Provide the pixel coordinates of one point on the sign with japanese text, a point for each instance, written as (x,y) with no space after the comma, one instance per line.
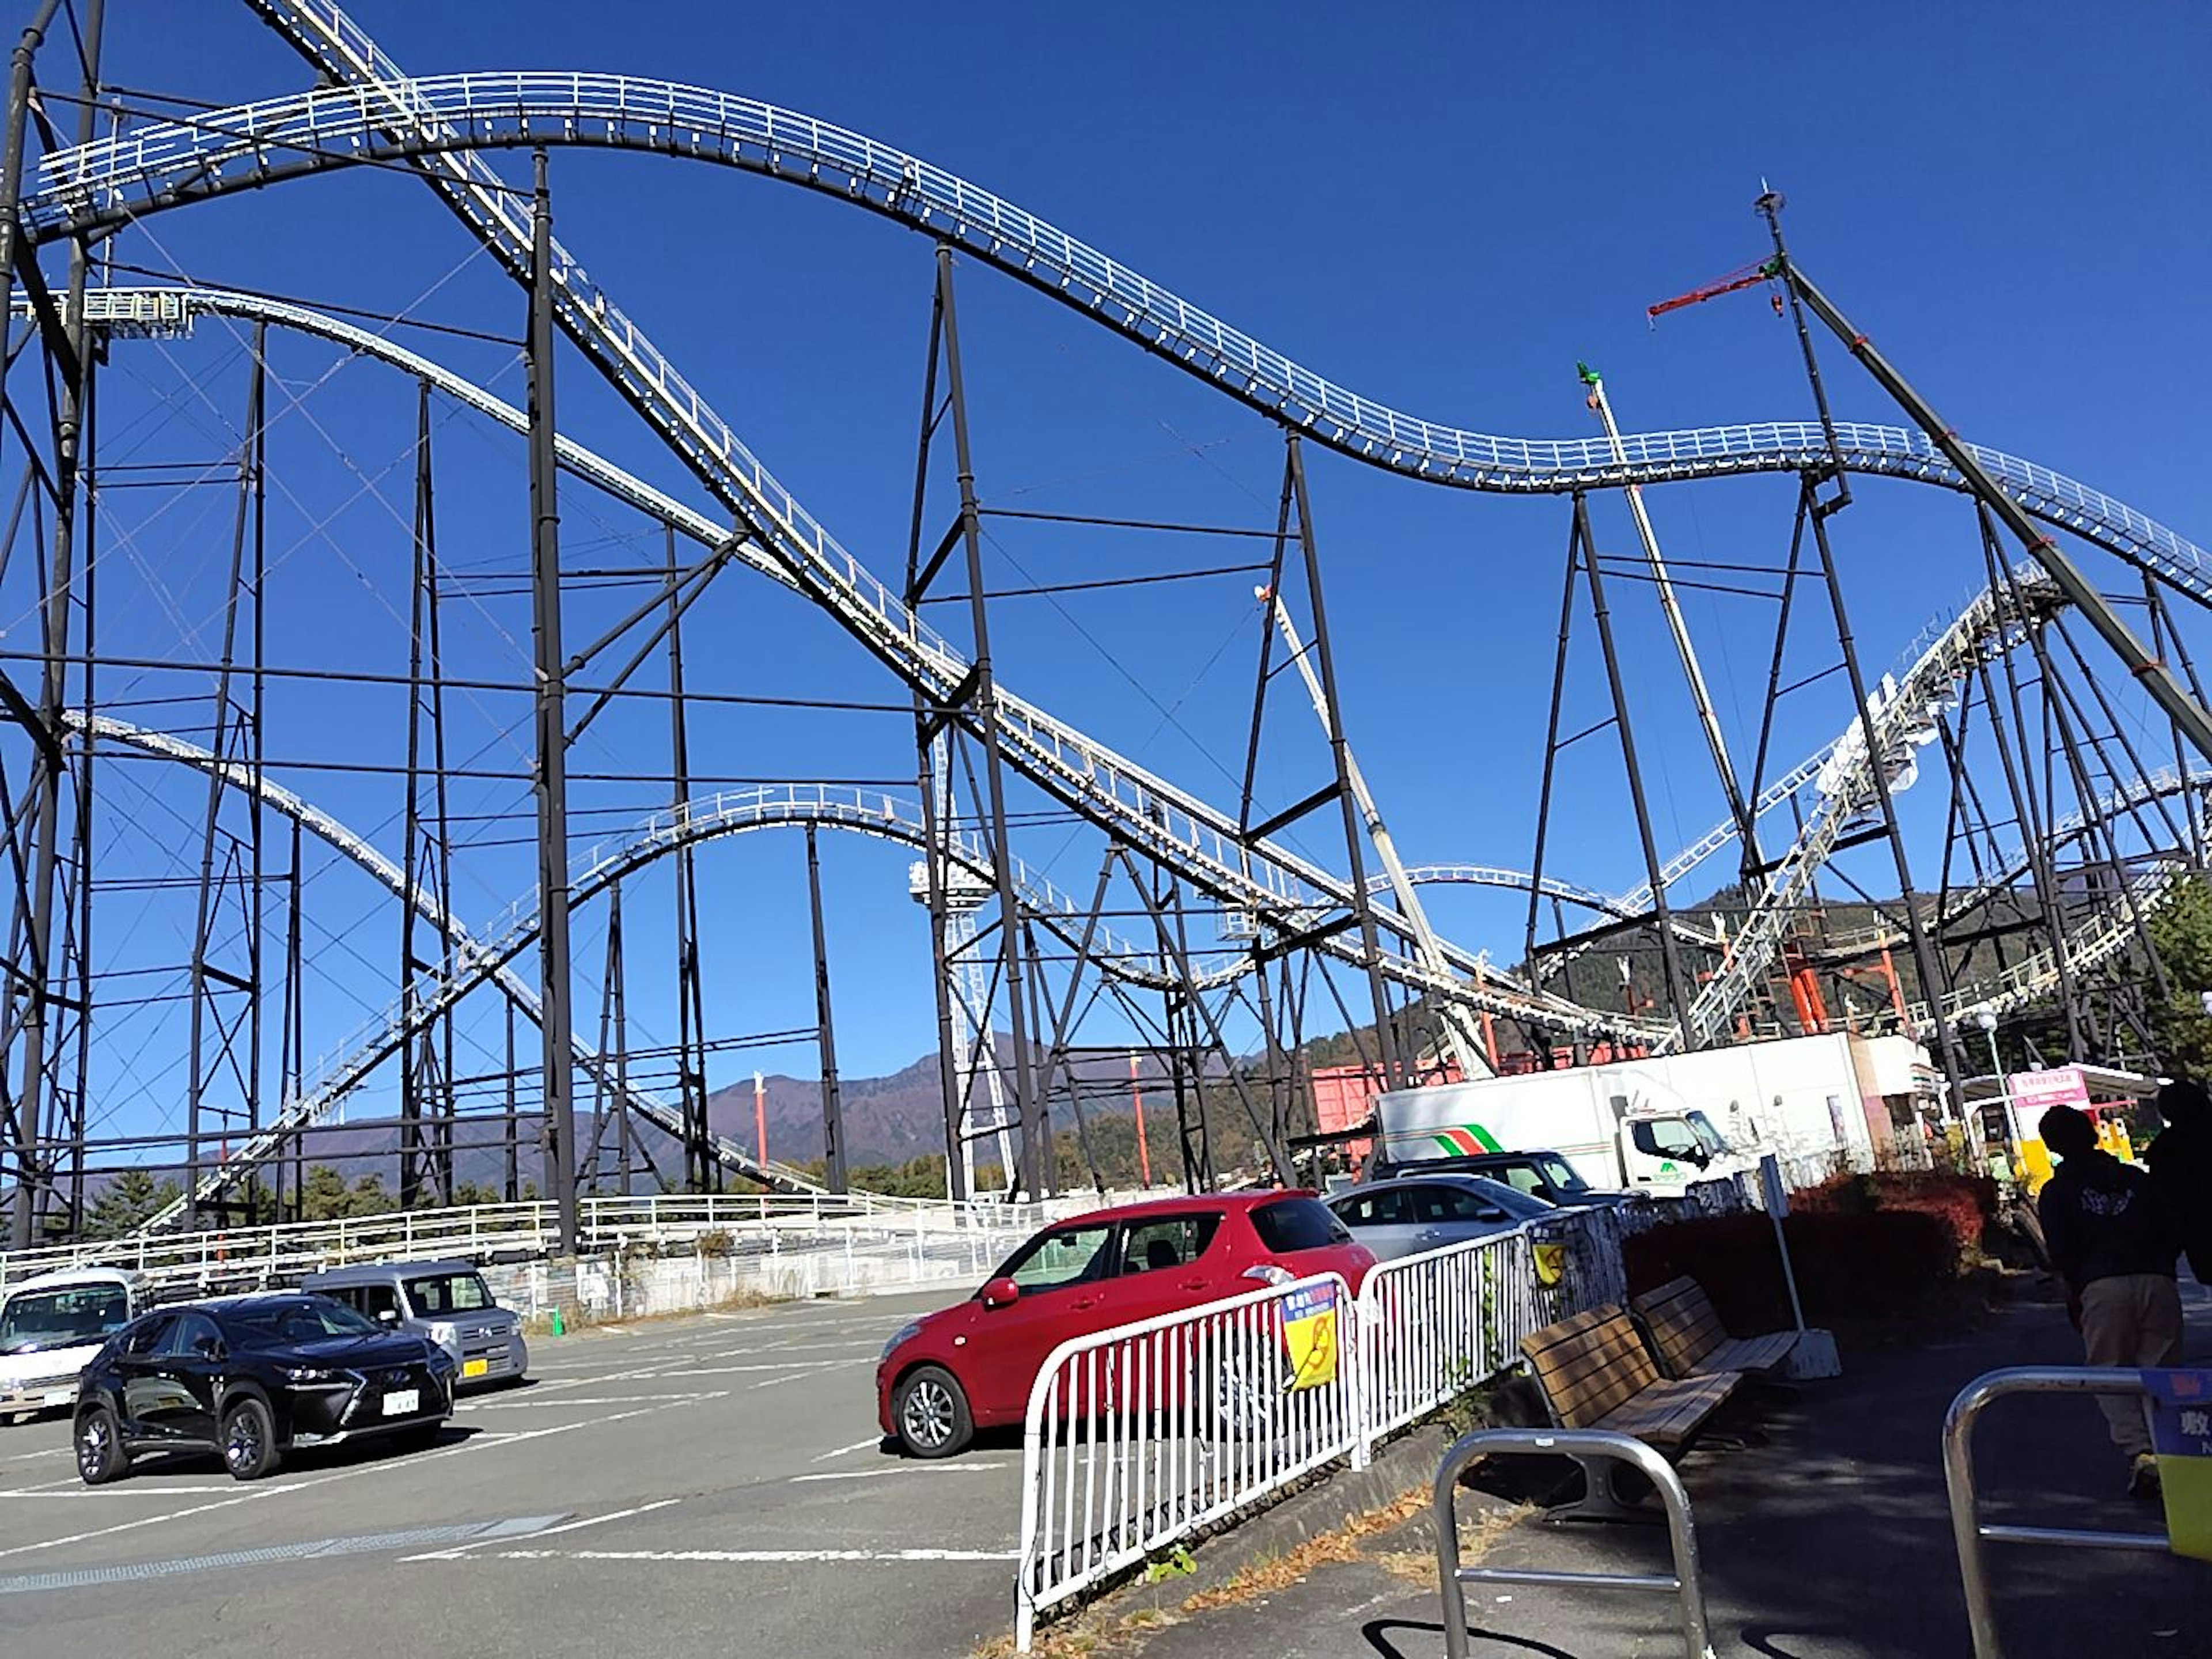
(2181,1435)
(1310,1332)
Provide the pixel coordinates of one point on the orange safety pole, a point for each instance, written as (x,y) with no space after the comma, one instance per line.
(1137,1095)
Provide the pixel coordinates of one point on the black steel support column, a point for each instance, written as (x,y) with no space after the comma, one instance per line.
(833,1111)
(702,1169)
(33,1098)
(1362,901)
(983,712)
(552,758)
(2158,679)
(1935,981)
(1662,919)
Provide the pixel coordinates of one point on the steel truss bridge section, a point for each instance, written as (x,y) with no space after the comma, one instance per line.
(1198,842)
(377,114)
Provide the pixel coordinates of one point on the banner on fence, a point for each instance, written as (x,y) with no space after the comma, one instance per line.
(1310,1332)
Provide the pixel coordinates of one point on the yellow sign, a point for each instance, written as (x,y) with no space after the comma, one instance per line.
(1310,1332)
(1551,1264)
(2181,1427)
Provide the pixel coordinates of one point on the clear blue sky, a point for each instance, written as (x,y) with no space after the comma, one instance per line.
(1443,209)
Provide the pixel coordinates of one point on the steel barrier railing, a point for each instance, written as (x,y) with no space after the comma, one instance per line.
(1967,1530)
(1684,1583)
(1140,1435)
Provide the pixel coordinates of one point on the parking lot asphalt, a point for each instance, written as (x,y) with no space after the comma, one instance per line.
(707,1486)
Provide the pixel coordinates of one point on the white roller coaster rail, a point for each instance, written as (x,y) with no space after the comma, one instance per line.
(378,114)
(1984,628)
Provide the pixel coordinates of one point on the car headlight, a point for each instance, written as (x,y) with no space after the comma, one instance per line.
(905,1333)
(308,1374)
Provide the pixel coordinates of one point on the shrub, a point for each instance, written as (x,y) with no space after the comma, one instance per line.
(1848,1265)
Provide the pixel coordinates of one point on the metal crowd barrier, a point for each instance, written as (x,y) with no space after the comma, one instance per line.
(1966,1528)
(1683,1584)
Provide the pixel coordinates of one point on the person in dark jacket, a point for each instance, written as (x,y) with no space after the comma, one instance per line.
(2180,1160)
(2111,1238)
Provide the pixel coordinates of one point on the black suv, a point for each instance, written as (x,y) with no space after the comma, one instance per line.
(250,1377)
(1543,1174)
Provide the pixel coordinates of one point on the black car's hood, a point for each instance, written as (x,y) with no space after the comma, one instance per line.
(354,1353)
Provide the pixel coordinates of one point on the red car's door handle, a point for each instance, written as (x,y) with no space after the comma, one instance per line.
(1193,1284)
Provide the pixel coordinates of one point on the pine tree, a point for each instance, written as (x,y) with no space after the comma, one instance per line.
(127,1202)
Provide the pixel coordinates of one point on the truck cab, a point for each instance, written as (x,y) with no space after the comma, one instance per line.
(1671,1149)
(50,1327)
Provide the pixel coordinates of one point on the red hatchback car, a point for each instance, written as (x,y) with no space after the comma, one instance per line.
(971,1366)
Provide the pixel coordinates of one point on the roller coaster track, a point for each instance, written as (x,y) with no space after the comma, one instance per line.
(377,114)
(171,310)
(340,1075)
(436,126)
(1845,785)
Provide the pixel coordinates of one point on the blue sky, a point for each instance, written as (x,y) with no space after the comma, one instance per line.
(1443,209)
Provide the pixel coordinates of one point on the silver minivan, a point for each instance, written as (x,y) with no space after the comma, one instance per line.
(447,1302)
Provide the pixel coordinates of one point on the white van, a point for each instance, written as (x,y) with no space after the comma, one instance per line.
(50,1327)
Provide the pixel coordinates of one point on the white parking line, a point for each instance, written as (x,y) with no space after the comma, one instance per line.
(817,1370)
(769,1365)
(140,1490)
(846,1451)
(748,1555)
(899,1468)
(455,1554)
(473,1444)
(567,1400)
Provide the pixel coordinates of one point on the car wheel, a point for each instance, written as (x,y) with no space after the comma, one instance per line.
(931,1409)
(248,1440)
(99,1455)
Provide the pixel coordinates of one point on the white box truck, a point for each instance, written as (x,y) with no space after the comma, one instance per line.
(1659,1124)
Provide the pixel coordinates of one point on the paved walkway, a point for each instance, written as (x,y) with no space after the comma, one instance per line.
(1826,1538)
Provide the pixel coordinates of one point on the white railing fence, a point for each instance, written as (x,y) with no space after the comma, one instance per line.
(1145,1433)
(1149,1432)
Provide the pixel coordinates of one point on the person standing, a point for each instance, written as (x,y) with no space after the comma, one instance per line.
(2112,1239)
(2180,1160)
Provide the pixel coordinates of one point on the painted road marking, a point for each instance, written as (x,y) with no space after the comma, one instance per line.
(532,1526)
(769,1556)
(873,1440)
(454,1554)
(899,1468)
(474,1442)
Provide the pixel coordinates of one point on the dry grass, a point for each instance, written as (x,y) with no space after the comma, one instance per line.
(1477,1533)
(541,1325)
(1101,1632)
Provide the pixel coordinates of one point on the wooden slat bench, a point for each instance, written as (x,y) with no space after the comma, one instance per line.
(1595,1373)
(1690,1341)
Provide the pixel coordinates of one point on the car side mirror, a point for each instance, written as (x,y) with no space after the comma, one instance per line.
(1001,1293)
(387,1315)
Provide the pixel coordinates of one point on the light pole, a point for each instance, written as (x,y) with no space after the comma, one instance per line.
(1987,1020)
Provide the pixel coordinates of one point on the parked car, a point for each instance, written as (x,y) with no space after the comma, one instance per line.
(1408,1215)
(447,1302)
(1544,1175)
(251,1378)
(971,1366)
(50,1328)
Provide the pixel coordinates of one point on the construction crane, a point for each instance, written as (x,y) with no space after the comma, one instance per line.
(1676,623)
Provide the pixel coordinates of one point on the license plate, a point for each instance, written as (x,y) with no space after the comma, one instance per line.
(401,1401)
(475,1367)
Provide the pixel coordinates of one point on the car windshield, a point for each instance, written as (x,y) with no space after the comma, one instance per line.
(1713,1140)
(434,1295)
(306,1320)
(1561,1174)
(66,1318)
